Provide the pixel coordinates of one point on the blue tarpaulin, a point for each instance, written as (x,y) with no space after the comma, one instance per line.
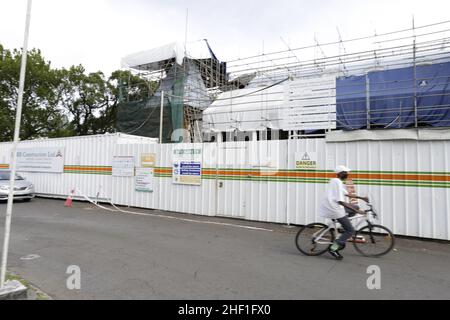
(391,98)
(351,102)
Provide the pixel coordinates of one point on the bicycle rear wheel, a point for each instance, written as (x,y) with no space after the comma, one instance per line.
(378,240)
(306,239)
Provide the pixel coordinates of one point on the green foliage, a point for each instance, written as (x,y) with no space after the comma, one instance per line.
(62,102)
(88,100)
(129,87)
(40,115)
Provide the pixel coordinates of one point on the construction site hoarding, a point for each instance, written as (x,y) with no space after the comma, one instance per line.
(408,181)
(85,165)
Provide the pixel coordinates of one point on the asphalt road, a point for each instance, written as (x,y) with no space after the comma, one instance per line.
(125,256)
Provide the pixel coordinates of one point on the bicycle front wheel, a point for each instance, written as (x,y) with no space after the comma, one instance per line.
(314,239)
(374,240)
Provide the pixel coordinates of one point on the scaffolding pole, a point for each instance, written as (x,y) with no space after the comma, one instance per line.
(415,75)
(161,118)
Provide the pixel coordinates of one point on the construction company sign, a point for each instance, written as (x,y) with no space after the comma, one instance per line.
(306,160)
(41,160)
(187,165)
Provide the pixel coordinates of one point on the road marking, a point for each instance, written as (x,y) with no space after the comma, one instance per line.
(30,257)
(116,209)
(191,220)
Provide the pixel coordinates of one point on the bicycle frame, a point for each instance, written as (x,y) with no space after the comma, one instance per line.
(334,225)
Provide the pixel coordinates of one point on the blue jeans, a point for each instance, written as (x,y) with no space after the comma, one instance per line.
(347,226)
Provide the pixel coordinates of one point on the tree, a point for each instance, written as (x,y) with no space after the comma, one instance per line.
(40,115)
(91,100)
(129,87)
(63,102)
(86,99)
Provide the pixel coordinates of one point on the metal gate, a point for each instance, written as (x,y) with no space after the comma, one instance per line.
(232,181)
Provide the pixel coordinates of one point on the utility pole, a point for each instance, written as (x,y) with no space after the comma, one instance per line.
(14,148)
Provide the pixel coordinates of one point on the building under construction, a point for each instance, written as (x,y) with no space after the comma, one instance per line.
(177,78)
(401,80)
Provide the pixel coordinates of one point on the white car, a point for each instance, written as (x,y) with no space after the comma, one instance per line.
(23,189)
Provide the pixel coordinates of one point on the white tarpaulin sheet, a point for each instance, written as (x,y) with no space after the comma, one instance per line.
(380,135)
(301,104)
(246,110)
(195,92)
(149,59)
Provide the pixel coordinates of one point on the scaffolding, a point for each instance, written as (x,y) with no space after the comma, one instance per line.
(404,82)
(188,83)
(267,94)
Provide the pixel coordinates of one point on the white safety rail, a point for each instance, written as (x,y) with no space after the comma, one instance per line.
(311,105)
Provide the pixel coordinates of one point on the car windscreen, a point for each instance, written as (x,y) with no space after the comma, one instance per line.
(4,175)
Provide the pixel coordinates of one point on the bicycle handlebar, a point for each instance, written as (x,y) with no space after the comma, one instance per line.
(370,210)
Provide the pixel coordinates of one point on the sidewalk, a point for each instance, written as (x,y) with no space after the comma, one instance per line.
(33,292)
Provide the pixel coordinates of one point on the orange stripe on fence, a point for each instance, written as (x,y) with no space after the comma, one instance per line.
(163,170)
(329,175)
(285,174)
(396,176)
(288,174)
(88,169)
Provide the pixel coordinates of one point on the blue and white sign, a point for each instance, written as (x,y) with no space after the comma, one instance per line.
(187,165)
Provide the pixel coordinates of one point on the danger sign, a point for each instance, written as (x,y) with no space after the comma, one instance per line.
(306,160)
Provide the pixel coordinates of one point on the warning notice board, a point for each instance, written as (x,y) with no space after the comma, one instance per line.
(306,160)
(187,166)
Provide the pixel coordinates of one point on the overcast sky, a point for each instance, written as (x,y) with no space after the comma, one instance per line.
(98,33)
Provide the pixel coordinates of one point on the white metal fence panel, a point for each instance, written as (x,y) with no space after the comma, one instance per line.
(185,198)
(408,181)
(267,188)
(233,160)
(87,164)
(123,191)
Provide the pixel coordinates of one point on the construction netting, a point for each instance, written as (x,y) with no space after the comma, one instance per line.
(143,117)
(185,97)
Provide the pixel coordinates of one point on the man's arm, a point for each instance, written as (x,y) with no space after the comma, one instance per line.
(354,196)
(346,205)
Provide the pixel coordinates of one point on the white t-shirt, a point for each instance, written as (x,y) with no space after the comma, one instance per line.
(329,207)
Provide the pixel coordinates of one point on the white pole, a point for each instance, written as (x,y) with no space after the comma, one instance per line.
(14,149)
(161,118)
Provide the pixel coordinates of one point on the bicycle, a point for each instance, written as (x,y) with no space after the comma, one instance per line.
(314,239)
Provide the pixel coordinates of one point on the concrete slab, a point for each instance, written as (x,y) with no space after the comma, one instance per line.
(13,290)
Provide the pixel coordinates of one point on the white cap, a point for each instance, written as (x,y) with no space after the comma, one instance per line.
(342,168)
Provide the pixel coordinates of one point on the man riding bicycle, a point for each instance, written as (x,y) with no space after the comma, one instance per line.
(334,206)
